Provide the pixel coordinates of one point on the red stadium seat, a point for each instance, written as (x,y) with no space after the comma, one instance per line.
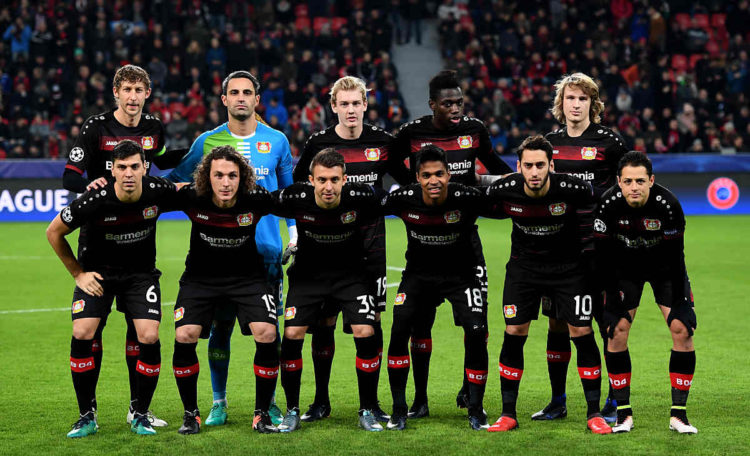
(679,63)
(318,23)
(702,21)
(683,19)
(301,23)
(301,10)
(337,23)
(713,48)
(718,20)
(695,58)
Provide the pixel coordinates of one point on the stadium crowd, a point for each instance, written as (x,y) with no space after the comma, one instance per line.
(674,75)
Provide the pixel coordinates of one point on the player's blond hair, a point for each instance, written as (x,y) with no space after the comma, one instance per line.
(349,83)
(587,86)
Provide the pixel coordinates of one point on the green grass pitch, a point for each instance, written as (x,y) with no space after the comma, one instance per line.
(38,403)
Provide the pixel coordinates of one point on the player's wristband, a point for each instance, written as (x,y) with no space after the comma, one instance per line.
(292,229)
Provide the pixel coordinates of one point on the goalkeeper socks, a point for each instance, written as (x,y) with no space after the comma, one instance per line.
(511,371)
(323,348)
(681,371)
(82,371)
(218,359)
(619,370)
(367,363)
(186,367)
(148,367)
(266,367)
(132,351)
(590,370)
(558,358)
(291,370)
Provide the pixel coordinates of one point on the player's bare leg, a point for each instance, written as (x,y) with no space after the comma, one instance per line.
(266,368)
(84,379)
(681,371)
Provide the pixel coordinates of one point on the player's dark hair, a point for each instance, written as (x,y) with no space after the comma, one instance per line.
(241,74)
(536,142)
(202,174)
(635,159)
(328,158)
(446,79)
(430,153)
(127,148)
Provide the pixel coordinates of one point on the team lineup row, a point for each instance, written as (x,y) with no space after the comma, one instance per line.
(340,266)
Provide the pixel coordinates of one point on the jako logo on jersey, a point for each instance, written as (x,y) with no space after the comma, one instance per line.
(290,313)
(372,154)
(400,299)
(651,224)
(465,142)
(179,313)
(557,208)
(147,142)
(349,217)
(424,144)
(264,147)
(245,219)
(150,212)
(452,216)
(588,153)
(78,306)
(510,310)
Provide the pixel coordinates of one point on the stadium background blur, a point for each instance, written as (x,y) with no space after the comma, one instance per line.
(674,75)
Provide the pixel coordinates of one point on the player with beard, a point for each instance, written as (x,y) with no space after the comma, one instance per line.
(551,215)
(588,150)
(92,155)
(440,264)
(639,228)
(117,259)
(269,153)
(368,155)
(464,140)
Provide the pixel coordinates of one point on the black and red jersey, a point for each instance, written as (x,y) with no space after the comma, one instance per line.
(330,240)
(554,228)
(368,158)
(439,238)
(593,156)
(638,242)
(119,236)
(92,151)
(464,144)
(222,240)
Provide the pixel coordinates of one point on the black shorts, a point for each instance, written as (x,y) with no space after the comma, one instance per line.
(419,294)
(375,265)
(631,290)
(251,301)
(594,281)
(138,295)
(565,284)
(311,298)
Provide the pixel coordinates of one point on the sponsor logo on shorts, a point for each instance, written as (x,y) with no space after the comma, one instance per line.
(452,216)
(150,212)
(372,154)
(264,147)
(652,224)
(400,299)
(153,311)
(245,219)
(557,208)
(588,153)
(78,306)
(510,310)
(179,313)
(465,142)
(349,217)
(147,142)
(290,313)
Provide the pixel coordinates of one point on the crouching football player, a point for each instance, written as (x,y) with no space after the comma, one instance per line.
(639,228)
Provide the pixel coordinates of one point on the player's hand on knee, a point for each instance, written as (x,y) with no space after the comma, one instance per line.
(686,315)
(289,252)
(87,281)
(611,317)
(96,184)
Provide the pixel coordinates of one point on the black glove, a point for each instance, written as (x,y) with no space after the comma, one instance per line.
(686,314)
(289,252)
